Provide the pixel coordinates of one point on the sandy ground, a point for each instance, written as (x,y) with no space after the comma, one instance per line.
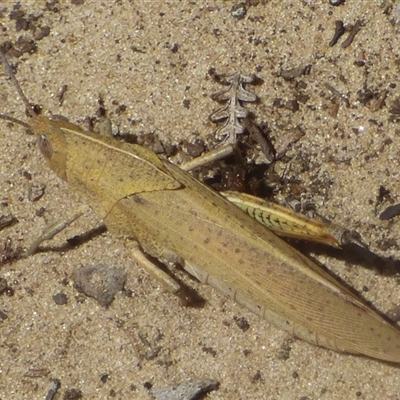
(154,58)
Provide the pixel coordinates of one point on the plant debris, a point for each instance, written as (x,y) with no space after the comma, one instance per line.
(233,112)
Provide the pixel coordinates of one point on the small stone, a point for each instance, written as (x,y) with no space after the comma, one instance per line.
(239,10)
(60,299)
(99,281)
(188,390)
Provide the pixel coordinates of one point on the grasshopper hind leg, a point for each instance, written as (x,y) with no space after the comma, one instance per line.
(168,282)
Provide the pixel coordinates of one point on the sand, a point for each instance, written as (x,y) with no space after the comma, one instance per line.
(154,58)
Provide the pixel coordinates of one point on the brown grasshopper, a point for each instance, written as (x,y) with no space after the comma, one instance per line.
(176,218)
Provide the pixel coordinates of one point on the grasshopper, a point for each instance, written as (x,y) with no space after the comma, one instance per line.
(176,218)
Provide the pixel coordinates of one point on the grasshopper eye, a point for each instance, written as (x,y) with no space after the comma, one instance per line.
(45,147)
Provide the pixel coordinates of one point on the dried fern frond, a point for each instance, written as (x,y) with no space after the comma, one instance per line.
(233,112)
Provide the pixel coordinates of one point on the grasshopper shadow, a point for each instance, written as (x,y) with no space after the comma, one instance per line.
(353,254)
(188,296)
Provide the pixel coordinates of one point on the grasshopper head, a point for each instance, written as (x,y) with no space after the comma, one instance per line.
(52,144)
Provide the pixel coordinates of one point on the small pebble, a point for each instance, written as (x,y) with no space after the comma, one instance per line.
(72,394)
(336,2)
(390,212)
(99,281)
(54,386)
(239,10)
(3,316)
(188,390)
(60,299)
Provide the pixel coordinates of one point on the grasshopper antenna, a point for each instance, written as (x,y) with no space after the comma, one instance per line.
(21,94)
(11,74)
